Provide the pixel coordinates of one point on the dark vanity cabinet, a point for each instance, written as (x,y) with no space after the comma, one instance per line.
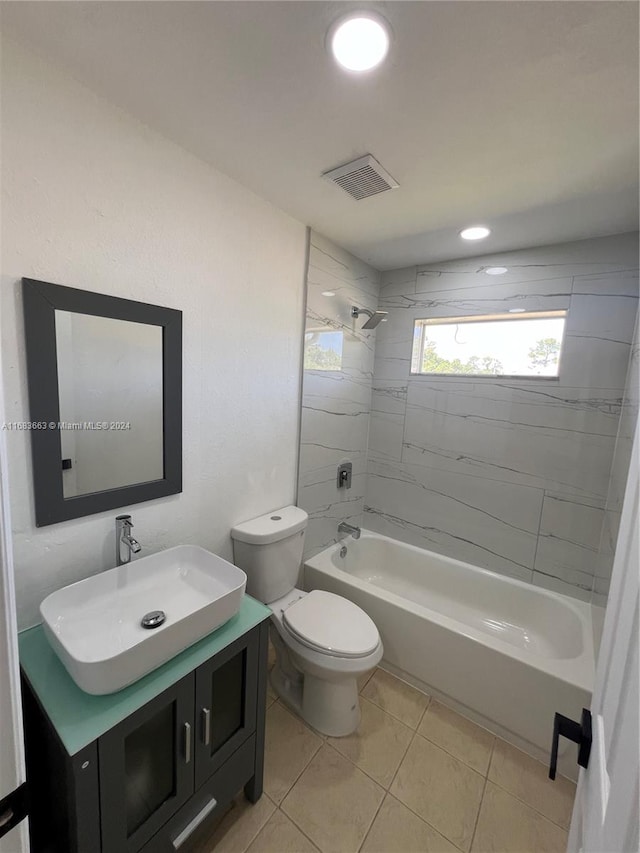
(149,781)
(146,769)
(225,709)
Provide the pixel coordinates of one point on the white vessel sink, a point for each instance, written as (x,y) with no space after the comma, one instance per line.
(95,625)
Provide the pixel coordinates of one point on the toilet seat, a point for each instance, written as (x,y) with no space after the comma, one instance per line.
(331,624)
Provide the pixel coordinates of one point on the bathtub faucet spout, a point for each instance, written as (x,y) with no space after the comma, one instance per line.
(349,529)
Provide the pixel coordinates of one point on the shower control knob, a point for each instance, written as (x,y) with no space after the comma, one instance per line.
(345,471)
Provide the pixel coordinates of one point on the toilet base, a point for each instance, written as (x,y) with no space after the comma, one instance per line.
(331,707)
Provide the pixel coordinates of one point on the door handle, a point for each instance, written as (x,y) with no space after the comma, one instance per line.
(187,743)
(579,733)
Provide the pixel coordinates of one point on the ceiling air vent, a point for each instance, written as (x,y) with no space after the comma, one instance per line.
(362,178)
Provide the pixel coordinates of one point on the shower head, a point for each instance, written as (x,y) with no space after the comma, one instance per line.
(375,317)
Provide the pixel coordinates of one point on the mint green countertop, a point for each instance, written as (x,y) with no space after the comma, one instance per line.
(78,717)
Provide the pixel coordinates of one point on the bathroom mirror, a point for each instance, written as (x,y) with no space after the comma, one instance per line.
(105,400)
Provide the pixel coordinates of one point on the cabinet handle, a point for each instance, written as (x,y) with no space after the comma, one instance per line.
(191,827)
(187,743)
(206,726)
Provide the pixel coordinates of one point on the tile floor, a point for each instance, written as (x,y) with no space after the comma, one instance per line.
(415,778)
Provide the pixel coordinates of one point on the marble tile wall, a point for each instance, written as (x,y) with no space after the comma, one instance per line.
(618,478)
(512,475)
(336,404)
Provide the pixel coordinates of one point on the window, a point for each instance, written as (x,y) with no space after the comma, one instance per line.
(323,350)
(527,344)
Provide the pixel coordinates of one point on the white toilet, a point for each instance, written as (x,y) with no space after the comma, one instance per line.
(323,642)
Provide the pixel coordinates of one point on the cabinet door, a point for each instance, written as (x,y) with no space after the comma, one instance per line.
(146,769)
(226,694)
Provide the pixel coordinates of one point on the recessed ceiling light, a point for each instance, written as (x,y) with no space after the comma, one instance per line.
(475,232)
(517,310)
(328,293)
(496,270)
(360,42)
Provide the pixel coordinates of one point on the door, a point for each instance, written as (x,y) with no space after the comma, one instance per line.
(226,700)
(13,838)
(605,817)
(146,769)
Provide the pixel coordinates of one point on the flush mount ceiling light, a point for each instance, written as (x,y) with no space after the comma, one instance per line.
(517,310)
(360,41)
(328,293)
(475,232)
(496,270)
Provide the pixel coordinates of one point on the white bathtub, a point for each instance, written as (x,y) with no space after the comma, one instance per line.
(503,652)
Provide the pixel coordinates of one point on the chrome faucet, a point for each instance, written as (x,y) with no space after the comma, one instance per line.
(124,537)
(349,529)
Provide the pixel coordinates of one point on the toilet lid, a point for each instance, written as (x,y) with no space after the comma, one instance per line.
(332,624)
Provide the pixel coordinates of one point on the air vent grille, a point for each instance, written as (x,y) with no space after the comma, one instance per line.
(362,178)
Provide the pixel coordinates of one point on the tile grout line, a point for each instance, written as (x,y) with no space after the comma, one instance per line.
(384,793)
(424,713)
(294,783)
(519,799)
(393,717)
(484,788)
(535,552)
(293,821)
(415,813)
(253,838)
(404,416)
(413,734)
(485,777)
(427,696)
(425,821)
(366,773)
(457,758)
(315,752)
(372,672)
(373,820)
(362,770)
(528,805)
(451,754)
(413,737)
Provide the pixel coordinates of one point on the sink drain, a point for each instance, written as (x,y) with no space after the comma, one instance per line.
(153,619)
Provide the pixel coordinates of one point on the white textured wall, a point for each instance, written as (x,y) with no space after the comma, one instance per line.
(93,199)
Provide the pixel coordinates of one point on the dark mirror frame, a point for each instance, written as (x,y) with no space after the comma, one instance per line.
(41,299)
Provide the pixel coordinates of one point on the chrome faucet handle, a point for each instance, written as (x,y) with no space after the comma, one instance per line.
(124,537)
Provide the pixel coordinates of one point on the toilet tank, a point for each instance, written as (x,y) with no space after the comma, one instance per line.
(269,550)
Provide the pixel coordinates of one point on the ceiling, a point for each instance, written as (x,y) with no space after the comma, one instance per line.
(519,115)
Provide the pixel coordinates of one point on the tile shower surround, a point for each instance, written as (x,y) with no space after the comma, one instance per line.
(336,404)
(517,476)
